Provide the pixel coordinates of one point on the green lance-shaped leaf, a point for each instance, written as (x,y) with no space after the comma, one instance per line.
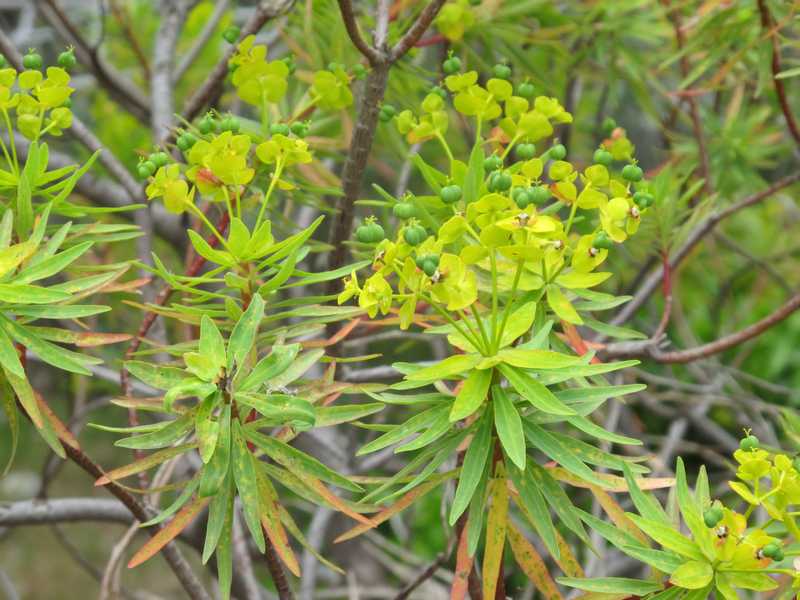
(212,345)
(472,395)
(508,424)
(534,392)
(472,469)
(612,585)
(221,505)
(297,461)
(272,365)
(244,474)
(244,333)
(214,473)
(168,434)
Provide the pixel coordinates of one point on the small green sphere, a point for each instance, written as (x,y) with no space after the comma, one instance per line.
(558,152)
(66,60)
(526,151)
(32,60)
(603,157)
(231,34)
(452,65)
(450,194)
(632,173)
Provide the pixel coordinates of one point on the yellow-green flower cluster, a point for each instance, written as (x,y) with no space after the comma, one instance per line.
(40,101)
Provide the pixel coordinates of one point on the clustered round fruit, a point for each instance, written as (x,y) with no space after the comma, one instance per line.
(231,34)
(713,515)
(370,232)
(387,113)
(32,60)
(749,443)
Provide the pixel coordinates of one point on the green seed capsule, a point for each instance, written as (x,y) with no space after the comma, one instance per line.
(415,235)
(526,90)
(439,91)
(492,163)
(159,159)
(429,266)
(207,124)
(404,210)
(558,152)
(526,151)
(299,129)
(231,124)
(643,199)
(32,60)
(521,196)
(749,443)
(602,241)
(450,194)
(387,113)
(539,194)
(452,65)
(231,34)
(502,182)
(502,71)
(609,125)
(711,518)
(66,60)
(143,171)
(632,173)
(186,141)
(603,157)
(279,129)
(770,550)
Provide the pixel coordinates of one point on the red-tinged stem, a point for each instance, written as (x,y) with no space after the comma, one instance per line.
(276,572)
(768,25)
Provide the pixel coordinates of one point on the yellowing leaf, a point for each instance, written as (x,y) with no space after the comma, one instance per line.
(496,525)
(560,305)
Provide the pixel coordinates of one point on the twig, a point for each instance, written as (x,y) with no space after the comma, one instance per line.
(123,91)
(374,56)
(419,27)
(277,573)
(173,14)
(426,574)
(651,282)
(366,123)
(171,553)
(729,341)
(768,25)
(202,39)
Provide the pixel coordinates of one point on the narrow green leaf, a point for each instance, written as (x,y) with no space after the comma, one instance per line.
(472,394)
(508,424)
(244,474)
(473,467)
(534,392)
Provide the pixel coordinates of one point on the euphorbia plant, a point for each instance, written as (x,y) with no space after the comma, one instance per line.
(240,389)
(40,248)
(500,254)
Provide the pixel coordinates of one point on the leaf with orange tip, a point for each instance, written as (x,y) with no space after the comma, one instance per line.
(143,464)
(335,338)
(404,502)
(617,514)
(532,565)
(334,500)
(496,525)
(463,568)
(613,483)
(165,535)
(270,520)
(58,427)
(81,339)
